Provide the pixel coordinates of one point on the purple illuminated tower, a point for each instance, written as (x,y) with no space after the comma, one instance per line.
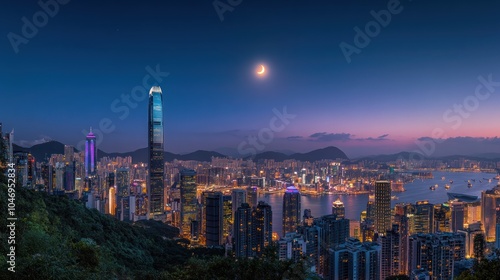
(90,155)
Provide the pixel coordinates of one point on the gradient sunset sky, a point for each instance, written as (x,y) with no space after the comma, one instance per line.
(393,93)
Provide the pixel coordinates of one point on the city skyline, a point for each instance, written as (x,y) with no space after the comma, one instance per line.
(414,80)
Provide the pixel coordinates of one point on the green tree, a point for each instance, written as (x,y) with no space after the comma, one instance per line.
(484,269)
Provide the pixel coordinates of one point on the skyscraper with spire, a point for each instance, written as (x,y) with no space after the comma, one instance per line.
(155,152)
(90,155)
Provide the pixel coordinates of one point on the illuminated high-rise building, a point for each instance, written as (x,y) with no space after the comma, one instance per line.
(69,153)
(242,231)
(212,218)
(69,177)
(354,260)
(252,196)
(457,215)
(262,227)
(333,232)
(391,253)
(31,182)
(122,182)
(155,153)
(497,233)
(382,206)
(442,218)
(423,217)
(470,234)
(436,253)
(21,165)
(291,209)
(338,209)
(189,202)
(123,195)
(227,216)
(238,196)
(490,200)
(90,155)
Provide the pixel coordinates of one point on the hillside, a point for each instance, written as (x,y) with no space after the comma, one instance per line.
(329,153)
(58,238)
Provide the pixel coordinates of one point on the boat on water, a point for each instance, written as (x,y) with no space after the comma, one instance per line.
(394,197)
(451,181)
(432,188)
(469,185)
(447,186)
(443,178)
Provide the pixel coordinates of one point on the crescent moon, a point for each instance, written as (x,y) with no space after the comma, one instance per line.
(262,70)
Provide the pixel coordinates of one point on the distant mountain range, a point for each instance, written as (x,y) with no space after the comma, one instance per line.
(408,155)
(41,151)
(320,154)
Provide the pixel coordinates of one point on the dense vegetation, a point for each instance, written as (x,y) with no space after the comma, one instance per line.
(58,238)
(484,269)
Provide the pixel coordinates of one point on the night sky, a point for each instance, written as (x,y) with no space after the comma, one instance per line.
(396,90)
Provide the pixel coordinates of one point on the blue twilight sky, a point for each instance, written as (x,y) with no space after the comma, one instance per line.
(417,75)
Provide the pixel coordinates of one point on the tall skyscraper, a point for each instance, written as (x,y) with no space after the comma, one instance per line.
(227,216)
(252,196)
(497,233)
(391,253)
(382,206)
(69,153)
(423,218)
(155,153)
(212,218)
(90,155)
(333,232)
(238,196)
(403,227)
(291,209)
(490,200)
(262,227)
(338,208)
(123,211)
(189,203)
(31,182)
(442,218)
(243,231)
(457,215)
